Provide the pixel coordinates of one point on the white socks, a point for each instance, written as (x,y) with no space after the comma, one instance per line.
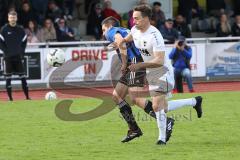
(175,104)
(162,124)
(162,116)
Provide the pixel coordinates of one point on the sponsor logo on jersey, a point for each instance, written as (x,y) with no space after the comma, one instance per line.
(144,52)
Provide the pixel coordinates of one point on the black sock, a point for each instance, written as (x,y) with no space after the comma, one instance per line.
(25,87)
(149,110)
(9,88)
(126,112)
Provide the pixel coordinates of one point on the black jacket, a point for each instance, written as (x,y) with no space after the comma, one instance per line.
(220,32)
(235,30)
(13,41)
(183,29)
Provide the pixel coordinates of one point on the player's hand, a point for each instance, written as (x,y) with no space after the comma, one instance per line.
(134,67)
(111,47)
(124,69)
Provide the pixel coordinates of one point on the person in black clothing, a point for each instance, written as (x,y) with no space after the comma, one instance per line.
(54,11)
(236,26)
(181,26)
(168,32)
(185,9)
(13,41)
(94,21)
(158,15)
(215,8)
(64,33)
(26,14)
(224,28)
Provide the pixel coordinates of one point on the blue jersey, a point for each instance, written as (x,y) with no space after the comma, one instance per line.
(132,51)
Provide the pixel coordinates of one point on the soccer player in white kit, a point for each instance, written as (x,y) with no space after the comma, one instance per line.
(160,74)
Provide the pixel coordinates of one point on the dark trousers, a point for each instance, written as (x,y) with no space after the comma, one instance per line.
(178,83)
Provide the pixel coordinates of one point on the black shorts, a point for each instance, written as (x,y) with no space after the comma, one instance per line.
(13,66)
(134,79)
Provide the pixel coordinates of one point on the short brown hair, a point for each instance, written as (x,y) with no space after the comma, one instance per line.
(111,20)
(145,10)
(12,13)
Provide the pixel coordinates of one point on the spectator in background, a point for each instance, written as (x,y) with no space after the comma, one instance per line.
(158,15)
(48,32)
(6,6)
(108,11)
(64,33)
(40,8)
(215,8)
(181,55)
(168,32)
(182,28)
(130,13)
(236,26)
(197,11)
(223,28)
(94,21)
(26,15)
(185,9)
(54,12)
(68,8)
(32,31)
(88,4)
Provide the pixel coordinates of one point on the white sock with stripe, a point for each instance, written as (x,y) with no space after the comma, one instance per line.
(175,104)
(161,123)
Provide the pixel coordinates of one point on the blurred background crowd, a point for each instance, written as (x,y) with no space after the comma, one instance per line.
(70,20)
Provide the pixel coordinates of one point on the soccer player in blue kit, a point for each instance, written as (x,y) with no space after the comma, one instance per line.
(129,81)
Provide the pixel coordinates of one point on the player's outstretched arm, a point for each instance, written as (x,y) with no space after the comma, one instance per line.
(128,38)
(122,43)
(111,47)
(157,61)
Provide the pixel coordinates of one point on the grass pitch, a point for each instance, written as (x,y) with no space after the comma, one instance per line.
(30,130)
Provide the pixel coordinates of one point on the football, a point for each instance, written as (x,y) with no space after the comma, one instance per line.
(55,57)
(50,96)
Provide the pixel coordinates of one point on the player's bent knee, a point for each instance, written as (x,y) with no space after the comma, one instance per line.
(155,108)
(134,100)
(116,98)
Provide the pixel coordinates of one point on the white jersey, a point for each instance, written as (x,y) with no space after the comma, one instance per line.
(149,42)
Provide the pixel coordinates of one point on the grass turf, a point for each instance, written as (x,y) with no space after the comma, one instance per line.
(30,130)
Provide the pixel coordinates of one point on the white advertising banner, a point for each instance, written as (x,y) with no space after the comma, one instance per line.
(95,64)
(83,64)
(223,60)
